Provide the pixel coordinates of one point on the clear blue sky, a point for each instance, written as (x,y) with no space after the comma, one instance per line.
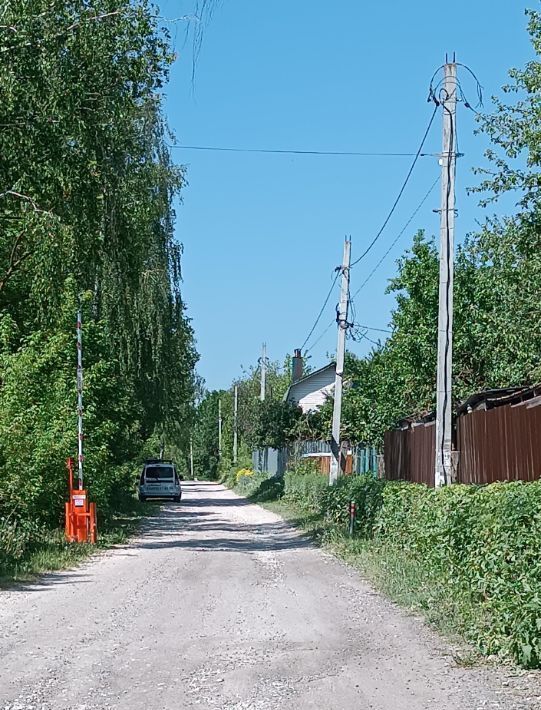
(262,233)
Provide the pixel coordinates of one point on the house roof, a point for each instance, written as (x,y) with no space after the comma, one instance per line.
(329,366)
(488,399)
(414,419)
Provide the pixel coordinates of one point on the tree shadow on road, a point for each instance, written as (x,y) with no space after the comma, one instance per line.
(206,530)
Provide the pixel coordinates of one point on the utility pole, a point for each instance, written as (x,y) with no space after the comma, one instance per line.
(263,371)
(220,429)
(448,99)
(191,458)
(342,320)
(235,425)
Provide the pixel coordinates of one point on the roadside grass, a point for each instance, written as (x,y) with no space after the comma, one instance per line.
(53,552)
(404,581)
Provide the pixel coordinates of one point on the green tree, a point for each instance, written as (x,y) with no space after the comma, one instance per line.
(86,216)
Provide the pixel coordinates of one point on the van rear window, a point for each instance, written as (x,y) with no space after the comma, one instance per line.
(159,473)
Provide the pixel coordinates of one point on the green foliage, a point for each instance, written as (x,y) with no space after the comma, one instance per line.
(259,423)
(205,436)
(86,217)
(397,378)
(514,131)
(276,423)
(365,491)
(268,490)
(482,546)
(304,488)
(247,485)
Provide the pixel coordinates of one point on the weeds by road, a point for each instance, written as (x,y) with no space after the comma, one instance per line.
(52,551)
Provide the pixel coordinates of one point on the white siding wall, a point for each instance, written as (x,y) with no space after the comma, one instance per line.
(311,393)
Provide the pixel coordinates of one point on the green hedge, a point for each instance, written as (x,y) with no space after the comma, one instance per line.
(367,493)
(483,546)
(305,489)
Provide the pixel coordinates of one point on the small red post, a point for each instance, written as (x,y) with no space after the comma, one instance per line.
(352,515)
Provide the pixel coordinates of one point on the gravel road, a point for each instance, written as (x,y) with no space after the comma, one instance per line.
(220,604)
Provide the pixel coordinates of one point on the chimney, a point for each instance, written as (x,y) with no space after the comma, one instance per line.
(297,366)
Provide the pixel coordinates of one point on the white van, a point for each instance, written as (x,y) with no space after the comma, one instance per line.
(159,479)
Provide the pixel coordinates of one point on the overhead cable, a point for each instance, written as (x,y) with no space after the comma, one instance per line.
(398,236)
(410,220)
(337,274)
(286,151)
(401,191)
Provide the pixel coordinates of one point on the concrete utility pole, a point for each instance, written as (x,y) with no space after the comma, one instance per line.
(219,428)
(448,99)
(191,458)
(263,372)
(235,425)
(340,353)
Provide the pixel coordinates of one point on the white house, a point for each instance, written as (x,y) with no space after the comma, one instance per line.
(311,391)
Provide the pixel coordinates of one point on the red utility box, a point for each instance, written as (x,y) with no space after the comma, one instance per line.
(81,520)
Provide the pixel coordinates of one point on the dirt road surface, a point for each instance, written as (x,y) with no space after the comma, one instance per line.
(220,604)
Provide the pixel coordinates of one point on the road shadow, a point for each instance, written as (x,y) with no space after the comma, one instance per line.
(224,537)
(44,581)
(194,528)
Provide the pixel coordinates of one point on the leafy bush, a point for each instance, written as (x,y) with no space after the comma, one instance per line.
(476,549)
(270,489)
(16,537)
(367,493)
(304,486)
(483,546)
(247,485)
(243,473)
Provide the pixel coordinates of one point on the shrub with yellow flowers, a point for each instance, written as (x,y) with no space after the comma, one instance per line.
(243,472)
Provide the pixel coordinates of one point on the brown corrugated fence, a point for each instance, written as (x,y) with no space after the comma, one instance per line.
(499,444)
(410,454)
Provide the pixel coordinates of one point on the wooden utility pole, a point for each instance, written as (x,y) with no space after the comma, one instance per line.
(220,429)
(263,372)
(235,425)
(342,320)
(448,99)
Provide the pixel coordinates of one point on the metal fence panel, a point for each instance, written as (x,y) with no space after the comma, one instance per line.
(500,444)
(410,454)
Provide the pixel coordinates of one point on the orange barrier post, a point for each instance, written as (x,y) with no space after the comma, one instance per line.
(80,515)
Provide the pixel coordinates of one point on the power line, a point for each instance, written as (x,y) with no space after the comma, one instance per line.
(358,325)
(376,267)
(399,235)
(284,151)
(321,336)
(401,192)
(356,335)
(376,330)
(337,274)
